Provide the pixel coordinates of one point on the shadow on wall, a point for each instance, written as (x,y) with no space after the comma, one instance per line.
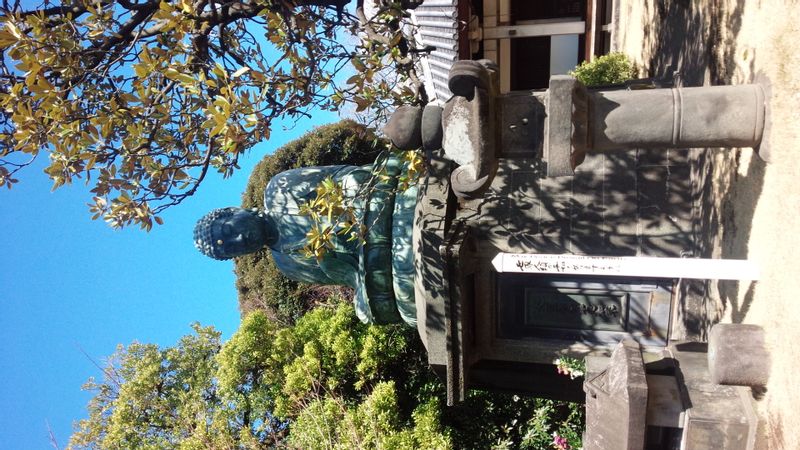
(695,38)
(698,39)
(622,204)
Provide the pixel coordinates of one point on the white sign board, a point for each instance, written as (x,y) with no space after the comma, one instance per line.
(627,266)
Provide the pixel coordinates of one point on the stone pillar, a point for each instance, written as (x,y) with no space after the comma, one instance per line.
(716,116)
(581,121)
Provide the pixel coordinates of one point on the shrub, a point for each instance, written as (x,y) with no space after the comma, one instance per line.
(329,382)
(554,423)
(377,422)
(260,284)
(504,421)
(612,68)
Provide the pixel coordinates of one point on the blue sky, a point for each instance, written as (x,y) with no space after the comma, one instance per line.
(71,285)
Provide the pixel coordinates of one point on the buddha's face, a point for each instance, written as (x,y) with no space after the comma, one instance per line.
(241,233)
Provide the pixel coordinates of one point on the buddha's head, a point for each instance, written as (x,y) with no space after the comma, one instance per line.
(229,232)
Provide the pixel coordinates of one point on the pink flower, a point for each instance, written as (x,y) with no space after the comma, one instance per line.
(560,443)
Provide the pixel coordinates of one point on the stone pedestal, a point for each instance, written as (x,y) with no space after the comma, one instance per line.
(616,402)
(665,401)
(496,185)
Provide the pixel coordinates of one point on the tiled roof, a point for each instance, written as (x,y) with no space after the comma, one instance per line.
(437,22)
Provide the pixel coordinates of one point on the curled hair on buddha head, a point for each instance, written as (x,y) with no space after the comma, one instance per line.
(203,239)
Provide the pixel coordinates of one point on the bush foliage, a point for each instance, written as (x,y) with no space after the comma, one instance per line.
(261,286)
(327,382)
(612,68)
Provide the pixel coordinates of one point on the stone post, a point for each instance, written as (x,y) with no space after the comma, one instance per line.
(616,402)
(618,120)
(577,121)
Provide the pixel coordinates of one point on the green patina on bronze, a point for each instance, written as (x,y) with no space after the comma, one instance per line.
(380,270)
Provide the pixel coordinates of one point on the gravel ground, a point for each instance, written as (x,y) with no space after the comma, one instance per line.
(749,209)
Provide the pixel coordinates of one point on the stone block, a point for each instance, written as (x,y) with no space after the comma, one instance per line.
(662,157)
(404,127)
(522,117)
(664,405)
(616,402)
(431,127)
(665,210)
(554,216)
(558,143)
(651,157)
(737,355)
(717,417)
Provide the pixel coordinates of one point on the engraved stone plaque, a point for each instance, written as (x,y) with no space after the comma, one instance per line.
(575,309)
(580,308)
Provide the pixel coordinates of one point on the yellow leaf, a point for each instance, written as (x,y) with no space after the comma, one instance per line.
(141,71)
(219,71)
(13,30)
(129,97)
(218,129)
(186,6)
(7,39)
(144,55)
(361,103)
(185,79)
(171,73)
(358,64)
(240,72)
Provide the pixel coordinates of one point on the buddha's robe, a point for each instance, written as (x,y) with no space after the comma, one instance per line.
(381,268)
